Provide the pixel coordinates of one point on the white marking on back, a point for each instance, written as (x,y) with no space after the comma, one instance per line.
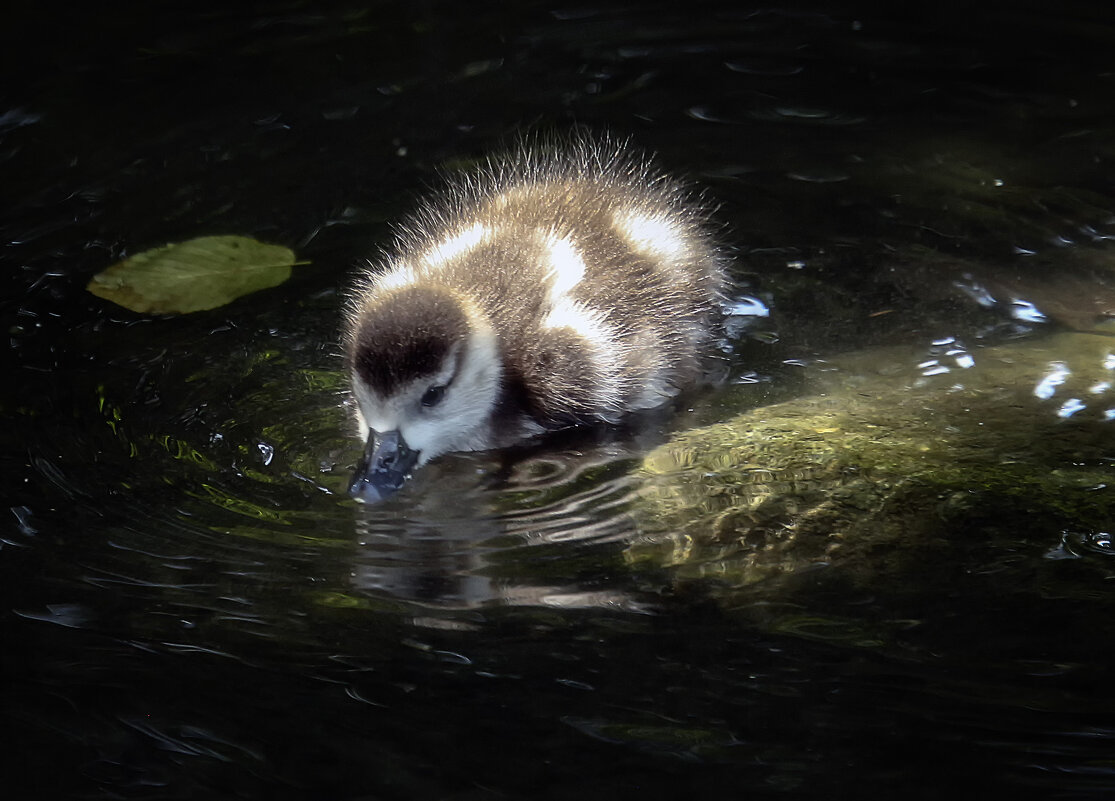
(581,320)
(398,276)
(455,246)
(567,268)
(600,345)
(406,274)
(654,236)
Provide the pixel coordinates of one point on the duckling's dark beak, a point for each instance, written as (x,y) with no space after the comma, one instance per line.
(384,467)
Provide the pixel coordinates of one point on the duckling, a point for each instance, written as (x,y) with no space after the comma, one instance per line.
(563,284)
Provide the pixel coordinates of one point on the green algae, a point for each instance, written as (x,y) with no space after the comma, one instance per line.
(889,463)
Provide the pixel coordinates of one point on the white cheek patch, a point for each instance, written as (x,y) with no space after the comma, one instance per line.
(362,427)
(567,268)
(471,374)
(423,436)
(657,237)
(374,413)
(458,422)
(455,246)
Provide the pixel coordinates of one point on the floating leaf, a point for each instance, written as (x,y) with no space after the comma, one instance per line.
(192,276)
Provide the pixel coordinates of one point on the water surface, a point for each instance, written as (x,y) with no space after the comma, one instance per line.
(193,608)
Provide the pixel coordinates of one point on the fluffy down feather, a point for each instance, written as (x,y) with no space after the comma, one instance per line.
(564,283)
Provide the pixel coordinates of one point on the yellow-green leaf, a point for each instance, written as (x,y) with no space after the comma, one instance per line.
(192,276)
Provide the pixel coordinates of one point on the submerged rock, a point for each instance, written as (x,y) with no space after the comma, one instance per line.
(891,466)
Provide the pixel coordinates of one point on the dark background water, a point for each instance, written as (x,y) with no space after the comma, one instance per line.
(190,609)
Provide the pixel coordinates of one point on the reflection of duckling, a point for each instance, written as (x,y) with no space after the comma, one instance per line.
(554,288)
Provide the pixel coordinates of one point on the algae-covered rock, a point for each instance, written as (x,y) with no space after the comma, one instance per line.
(889,464)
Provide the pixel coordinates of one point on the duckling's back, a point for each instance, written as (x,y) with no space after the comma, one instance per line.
(599,274)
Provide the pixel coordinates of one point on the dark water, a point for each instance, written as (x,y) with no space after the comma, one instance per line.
(192,608)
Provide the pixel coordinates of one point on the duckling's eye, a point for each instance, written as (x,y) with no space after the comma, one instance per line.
(433,396)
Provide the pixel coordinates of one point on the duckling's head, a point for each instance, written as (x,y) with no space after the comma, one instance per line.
(425,373)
